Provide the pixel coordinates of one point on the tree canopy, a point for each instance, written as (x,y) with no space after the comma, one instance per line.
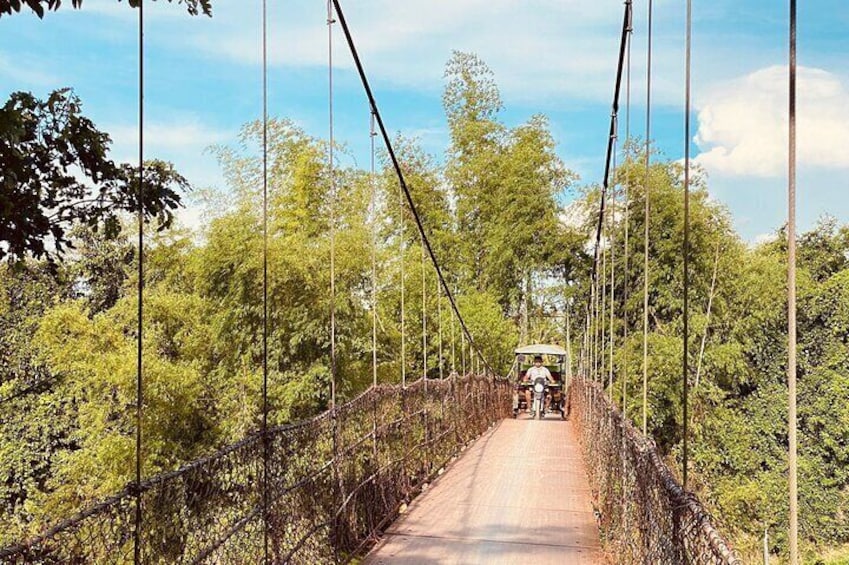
(56,172)
(40,7)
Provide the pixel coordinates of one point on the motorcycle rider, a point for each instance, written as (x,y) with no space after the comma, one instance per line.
(535,372)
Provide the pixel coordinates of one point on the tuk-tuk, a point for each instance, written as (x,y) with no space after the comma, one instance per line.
(554,359)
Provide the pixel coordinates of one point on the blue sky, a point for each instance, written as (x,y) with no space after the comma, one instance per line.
(556,57)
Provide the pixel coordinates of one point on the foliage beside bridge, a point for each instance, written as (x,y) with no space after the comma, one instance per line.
(738,352)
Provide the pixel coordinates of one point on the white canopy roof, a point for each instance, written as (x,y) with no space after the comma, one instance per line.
(541,349)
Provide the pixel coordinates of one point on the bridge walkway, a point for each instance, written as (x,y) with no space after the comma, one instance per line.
(518,495)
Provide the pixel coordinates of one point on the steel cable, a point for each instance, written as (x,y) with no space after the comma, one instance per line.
(402,181)
(265,279)
(140,290)
(685,377)
(592,302)
(331,173)
(373,206)
(627,219)
(791,296)
(647,217)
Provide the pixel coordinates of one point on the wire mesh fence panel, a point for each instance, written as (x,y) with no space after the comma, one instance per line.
(645,515)
(187,513)
(333,483)
(101,534)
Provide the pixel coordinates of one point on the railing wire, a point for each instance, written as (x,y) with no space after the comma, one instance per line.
(644,514)
(321,508)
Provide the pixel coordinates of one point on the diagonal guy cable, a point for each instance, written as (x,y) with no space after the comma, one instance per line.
(626,26)
(612,135)
(403,182)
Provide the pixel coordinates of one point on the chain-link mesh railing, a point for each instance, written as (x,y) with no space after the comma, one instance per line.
(645,515)
(334,483)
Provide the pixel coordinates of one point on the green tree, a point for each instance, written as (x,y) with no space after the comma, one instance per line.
(39,7)
(509,186)
(42,144)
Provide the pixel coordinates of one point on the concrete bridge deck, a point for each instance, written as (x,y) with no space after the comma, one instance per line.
(518,495)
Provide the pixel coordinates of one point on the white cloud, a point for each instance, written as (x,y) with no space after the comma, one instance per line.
(182,142)
(743,123)
(763,238)
(547,53)
(160,136)
(19,69)
(408,43)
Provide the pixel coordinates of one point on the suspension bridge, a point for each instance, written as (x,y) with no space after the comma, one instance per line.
(426,471)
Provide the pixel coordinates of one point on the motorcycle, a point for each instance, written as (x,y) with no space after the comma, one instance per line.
(538,410)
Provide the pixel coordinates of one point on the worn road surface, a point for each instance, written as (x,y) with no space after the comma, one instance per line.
(518,495)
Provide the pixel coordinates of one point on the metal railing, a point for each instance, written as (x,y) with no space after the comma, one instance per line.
(334,483)
(645,516)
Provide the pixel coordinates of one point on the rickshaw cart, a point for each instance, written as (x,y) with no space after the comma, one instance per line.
(554,359)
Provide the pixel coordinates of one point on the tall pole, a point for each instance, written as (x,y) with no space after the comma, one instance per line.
(791,297)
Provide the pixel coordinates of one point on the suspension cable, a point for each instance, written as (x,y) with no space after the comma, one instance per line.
(627,203)
(711,295)
(424,317)
(439,326)
(373,206)
(331,172)
(647,217)
(611,227)
(265,446)
(596,352)
(629,39)
(685,377)
(601,213)
(791,296)
(602,321)
(568,346)
(140,290)
(402,251)
(453,349)
(402,181)
(612,134)
(463,351)
(627,196)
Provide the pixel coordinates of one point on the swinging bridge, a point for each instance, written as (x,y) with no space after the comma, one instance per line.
(431,470)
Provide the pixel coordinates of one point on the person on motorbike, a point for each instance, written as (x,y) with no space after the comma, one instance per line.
(535,372)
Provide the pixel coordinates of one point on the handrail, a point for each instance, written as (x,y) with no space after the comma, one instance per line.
(645,514)
(392,439)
